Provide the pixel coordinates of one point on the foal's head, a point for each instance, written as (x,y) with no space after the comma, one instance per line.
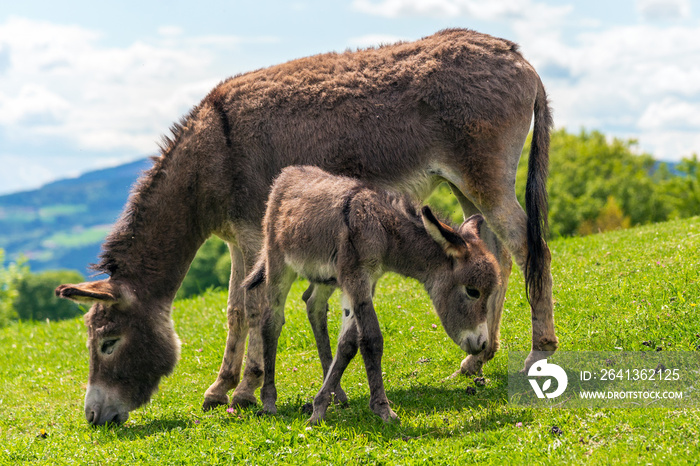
(460,287)
(132,345)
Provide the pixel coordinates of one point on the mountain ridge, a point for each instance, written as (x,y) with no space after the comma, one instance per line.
(62,224)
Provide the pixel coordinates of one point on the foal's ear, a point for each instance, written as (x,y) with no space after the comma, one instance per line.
(102,291)
(471,228)
(450,240)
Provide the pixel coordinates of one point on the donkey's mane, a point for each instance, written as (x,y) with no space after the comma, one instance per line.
(116,246)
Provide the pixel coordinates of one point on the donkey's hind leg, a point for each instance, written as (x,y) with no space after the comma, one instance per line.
(316,298)
(230,371)
(255,307)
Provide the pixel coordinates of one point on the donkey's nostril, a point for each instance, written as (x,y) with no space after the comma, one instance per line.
(483,346)
(91,417)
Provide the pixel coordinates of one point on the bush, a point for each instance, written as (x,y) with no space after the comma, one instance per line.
(36,299)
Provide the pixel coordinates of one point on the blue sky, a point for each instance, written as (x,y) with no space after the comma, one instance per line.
(87,84)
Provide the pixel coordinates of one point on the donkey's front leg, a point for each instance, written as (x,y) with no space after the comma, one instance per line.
(230,371)
(316,298)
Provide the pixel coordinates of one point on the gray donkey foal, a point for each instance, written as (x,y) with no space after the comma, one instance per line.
(339,232)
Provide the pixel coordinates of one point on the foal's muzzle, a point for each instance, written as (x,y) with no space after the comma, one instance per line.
(103,407)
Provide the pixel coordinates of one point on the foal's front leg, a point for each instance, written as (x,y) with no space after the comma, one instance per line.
(316,298)
(347,349)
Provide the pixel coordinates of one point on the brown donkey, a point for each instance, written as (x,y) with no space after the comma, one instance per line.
(455,107)
(337,231)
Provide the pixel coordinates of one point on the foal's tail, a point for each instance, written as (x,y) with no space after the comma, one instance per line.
(257,275)
(536,197)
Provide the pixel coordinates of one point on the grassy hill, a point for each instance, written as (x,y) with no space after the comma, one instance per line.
(614,290)
(62,224)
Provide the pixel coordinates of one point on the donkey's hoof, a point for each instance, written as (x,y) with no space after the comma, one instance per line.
(471,365)
(243,401)
(314,420)
(535,356)
(391,417)
(307,408)
(211,402)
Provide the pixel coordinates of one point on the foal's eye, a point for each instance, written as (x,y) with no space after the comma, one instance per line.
(108,346)
(473,293)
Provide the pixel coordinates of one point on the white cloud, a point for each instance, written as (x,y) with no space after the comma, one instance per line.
(663,10)
(61,82)
(494,10)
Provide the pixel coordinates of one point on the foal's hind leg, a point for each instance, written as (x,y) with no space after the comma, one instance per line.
(316,298)
(279,282)
(230,371)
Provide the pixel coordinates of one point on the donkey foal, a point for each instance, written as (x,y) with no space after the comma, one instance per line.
(339,232)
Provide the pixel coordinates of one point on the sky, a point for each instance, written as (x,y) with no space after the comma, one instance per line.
(87,85)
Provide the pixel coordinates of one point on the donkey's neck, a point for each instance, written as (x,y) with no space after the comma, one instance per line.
(163,225)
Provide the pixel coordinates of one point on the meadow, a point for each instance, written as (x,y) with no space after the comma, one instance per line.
(619,290)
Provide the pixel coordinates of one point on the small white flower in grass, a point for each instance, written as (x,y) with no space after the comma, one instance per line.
(434,326)
(230,410)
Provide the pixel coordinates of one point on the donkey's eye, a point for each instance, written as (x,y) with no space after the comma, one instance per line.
(108,346)
(473,293)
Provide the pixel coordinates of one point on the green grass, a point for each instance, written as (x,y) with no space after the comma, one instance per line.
(613,290)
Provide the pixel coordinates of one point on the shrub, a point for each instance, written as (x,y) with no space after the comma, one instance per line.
(36,299)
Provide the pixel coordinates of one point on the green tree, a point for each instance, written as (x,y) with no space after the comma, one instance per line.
(588,174)
(682,192)
(9,278)
(36,300)
(210,269)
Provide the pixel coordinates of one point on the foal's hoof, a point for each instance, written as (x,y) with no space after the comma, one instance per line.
(243,401)
(340,398)
(211,402)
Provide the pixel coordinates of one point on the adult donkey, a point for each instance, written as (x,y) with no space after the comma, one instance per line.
(455,107)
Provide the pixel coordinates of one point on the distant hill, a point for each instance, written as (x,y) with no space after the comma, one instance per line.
(62,224)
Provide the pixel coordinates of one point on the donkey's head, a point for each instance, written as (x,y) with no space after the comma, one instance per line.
(461,286)
(132,345)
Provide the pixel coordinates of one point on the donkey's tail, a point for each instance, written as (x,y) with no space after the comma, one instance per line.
(257,275)
(536,201)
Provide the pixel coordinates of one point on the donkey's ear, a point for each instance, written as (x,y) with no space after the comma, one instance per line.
(450,241)
(101,291)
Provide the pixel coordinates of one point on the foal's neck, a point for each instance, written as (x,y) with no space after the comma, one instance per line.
(413,253)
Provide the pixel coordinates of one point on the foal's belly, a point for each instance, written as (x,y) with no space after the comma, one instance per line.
(314,270)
